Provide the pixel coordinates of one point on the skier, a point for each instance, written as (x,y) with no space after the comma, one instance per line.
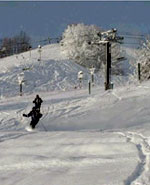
(35,116)
(37,102)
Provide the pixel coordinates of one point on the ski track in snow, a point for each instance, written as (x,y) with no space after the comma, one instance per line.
(51,74)
(141,174)
(11,135)
(56,163)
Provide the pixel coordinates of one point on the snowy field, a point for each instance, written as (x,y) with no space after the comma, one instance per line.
(82,139)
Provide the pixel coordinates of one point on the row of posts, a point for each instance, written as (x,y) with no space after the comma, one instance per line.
(107,83)
(21,75)
(90,82)
(21,80)
(111,36)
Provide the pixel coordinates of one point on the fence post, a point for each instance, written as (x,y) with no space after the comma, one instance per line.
(40,51)
(89,87)
(20,80)
(139,71)
(30,50)
(21,89)
(80,77)
(92,70)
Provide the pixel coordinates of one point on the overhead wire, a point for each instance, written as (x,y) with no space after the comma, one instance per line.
(131,34)
(134,37)
(57,39)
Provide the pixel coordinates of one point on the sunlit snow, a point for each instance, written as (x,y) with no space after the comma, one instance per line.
(97,139)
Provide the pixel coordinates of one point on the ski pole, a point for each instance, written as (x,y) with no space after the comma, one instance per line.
(43,126)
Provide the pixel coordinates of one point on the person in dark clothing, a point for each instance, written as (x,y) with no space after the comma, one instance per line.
(35,116)
(38,101)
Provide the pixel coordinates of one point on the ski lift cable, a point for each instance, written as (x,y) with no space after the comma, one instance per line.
(131,43)
(132,37)
(37,41)
(131,34)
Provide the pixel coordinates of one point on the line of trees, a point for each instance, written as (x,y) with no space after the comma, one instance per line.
(14,45)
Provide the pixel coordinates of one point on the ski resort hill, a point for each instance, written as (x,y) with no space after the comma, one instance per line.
(102,138)
(52,72)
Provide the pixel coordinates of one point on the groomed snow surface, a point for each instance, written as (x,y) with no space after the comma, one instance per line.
(97,139)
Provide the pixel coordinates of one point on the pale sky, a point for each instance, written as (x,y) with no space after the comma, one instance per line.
(49,19)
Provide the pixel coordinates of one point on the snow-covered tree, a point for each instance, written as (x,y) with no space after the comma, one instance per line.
(143,57)
(78,44)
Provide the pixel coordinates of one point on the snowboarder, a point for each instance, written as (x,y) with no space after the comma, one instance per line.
(35,116)
(37,102)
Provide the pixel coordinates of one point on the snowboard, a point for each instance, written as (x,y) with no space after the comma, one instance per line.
(29,129)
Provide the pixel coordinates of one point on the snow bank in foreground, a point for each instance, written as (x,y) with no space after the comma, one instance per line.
(66,158)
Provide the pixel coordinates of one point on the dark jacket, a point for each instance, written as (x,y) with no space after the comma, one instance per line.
(37,102)
(34,114)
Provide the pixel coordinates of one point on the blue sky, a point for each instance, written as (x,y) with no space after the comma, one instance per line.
(43,19)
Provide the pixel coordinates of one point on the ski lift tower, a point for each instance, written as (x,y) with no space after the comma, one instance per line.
(106,38)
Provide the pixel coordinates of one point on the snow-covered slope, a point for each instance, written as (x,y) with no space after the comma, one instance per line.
(97,139)
(53,72)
